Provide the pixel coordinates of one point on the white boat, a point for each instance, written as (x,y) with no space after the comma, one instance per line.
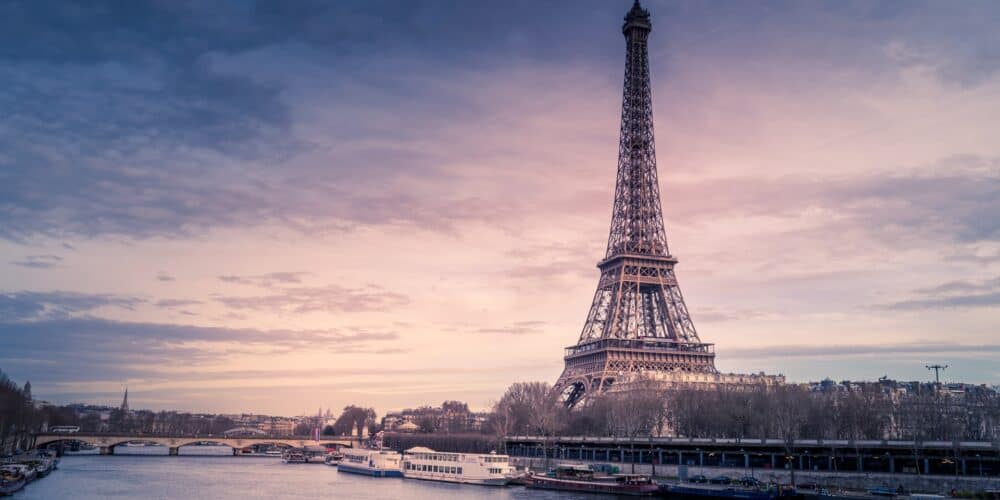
(334,459)
(378,463)
(27,472)
(294,457)
(137,444)
(469,468)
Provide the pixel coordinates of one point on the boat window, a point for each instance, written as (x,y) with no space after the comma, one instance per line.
(459,470)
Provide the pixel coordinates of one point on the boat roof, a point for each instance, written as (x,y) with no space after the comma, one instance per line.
(573,467)
(420,449)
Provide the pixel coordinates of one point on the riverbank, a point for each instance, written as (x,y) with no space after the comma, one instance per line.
(26,469)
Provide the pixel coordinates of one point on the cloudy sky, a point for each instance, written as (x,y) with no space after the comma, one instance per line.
(276,206)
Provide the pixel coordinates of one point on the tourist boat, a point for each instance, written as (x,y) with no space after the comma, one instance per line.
(581,479)
(11,481)
(53,456)
(294,457)
(27,472)
(147,444)
(40,467)
(469,468)
(333,459)
(712,492)
(378,463)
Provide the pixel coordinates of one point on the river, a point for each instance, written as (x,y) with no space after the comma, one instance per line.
(205,472)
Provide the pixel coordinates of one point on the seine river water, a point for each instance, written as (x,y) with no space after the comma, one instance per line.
(210,475)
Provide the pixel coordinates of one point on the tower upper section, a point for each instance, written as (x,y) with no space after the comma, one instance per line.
(637,220)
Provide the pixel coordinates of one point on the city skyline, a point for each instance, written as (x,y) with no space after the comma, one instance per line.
(394,204)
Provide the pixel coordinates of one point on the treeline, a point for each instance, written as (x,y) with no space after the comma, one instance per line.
(158,422)
(865,411)
(19,418)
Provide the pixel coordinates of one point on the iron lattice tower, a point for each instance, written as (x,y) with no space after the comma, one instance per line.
(638,322)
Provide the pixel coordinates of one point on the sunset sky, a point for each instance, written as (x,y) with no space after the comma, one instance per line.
(271,208)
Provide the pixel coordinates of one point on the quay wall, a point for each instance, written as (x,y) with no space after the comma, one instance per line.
(846,480)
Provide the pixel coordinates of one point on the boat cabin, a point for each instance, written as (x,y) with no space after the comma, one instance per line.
(632,479)
(572,471)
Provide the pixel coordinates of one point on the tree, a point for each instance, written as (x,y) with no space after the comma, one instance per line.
(637,409)
(354,419)
(426,424)
(501,423)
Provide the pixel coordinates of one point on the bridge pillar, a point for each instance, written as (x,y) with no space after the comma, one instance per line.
(107,450)
(892,464)
(174,451)
(746,460)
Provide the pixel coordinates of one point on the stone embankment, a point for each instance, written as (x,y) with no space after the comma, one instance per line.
(842,480)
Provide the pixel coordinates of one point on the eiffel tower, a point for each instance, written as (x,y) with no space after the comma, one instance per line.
(638,323)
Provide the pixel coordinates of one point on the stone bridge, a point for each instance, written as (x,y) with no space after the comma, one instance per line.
(108,442)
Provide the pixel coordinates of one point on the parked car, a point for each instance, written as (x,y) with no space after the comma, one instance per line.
(721,480)
(749,482)
(700,478)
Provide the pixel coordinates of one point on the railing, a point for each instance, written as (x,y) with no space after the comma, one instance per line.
(645,344)
(758,442)
(140,435)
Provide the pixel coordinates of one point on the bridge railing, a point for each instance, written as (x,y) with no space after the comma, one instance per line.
(141,435)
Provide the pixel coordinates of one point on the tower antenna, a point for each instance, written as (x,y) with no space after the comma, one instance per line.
(937,371)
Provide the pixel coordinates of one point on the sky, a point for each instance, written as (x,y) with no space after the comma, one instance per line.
(271,207)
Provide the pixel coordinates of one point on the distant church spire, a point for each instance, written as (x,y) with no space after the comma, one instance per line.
(125,401)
